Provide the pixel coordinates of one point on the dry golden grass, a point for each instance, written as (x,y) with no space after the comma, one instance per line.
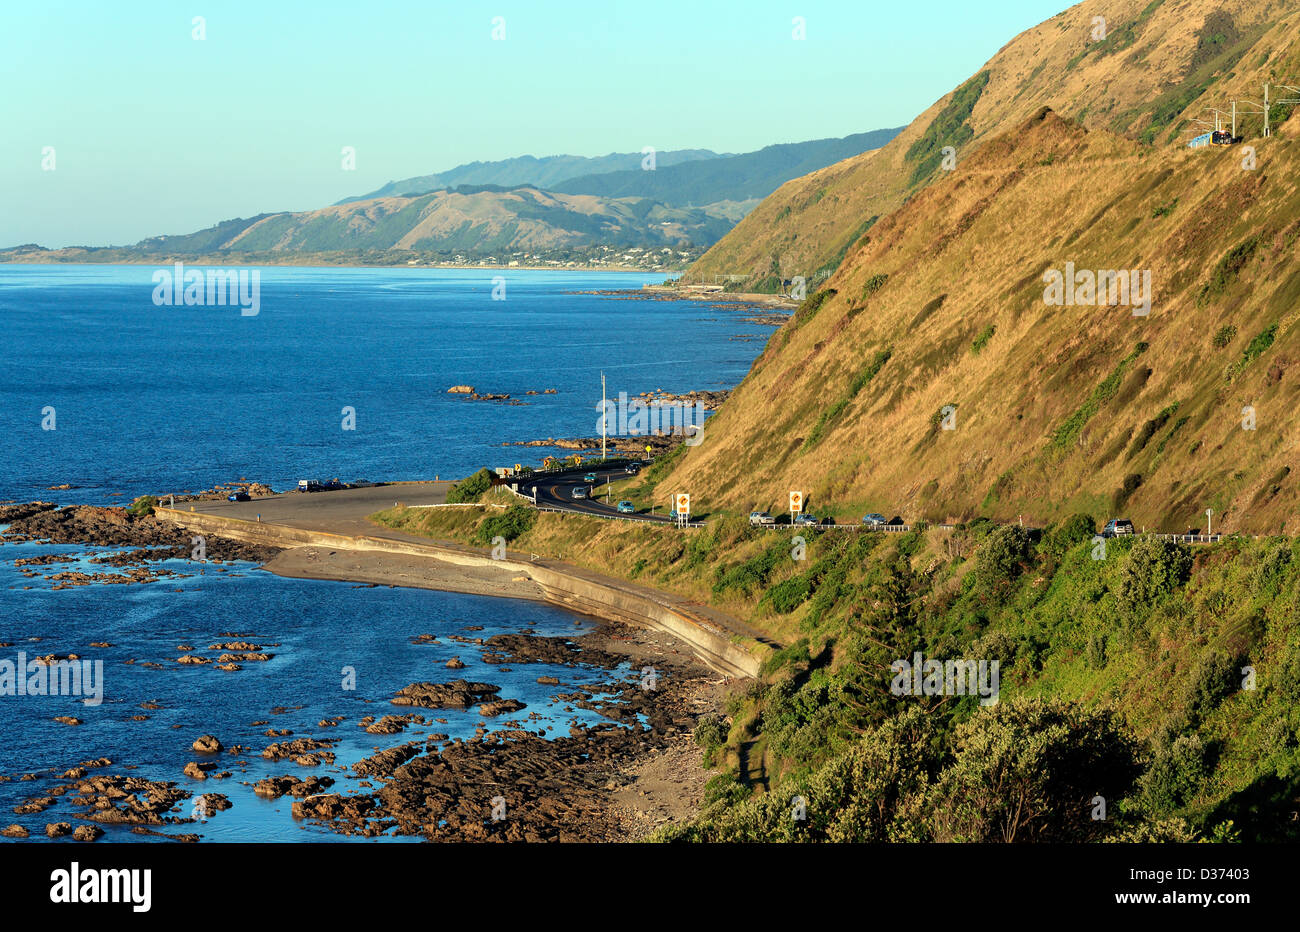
(1054,64)
(1048,193)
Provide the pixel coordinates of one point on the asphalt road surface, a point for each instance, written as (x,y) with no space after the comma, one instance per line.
(557,492)
(340,512)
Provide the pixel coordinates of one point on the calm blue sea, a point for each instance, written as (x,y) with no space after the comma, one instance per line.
(150,398)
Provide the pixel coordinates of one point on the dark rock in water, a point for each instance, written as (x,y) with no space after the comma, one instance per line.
(275,787)
(58,829)
(498,706)
(330,806)
(383,763)
(15,831)
(207,744)
(87,832)
(128,800)
(458,694)
(299,747)
(115,527)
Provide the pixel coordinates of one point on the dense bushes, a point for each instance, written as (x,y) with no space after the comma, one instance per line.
(143,506)
(471,488)
(1001,558)
(1152,569)
(1077,631)
(511,523)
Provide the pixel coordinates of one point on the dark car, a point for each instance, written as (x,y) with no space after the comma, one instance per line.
(631,469)
(1117,527)
(238,497)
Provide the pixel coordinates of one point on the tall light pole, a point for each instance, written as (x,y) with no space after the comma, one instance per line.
(604,417)
(1209,528)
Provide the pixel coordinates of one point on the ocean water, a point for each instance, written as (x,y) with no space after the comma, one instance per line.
(150,398)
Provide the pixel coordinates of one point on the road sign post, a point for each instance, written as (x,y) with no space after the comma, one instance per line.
(682,505)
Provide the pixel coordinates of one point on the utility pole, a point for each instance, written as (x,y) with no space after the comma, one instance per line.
(1266,134)
(604,417)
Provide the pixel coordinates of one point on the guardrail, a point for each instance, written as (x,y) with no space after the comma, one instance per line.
(639,519)
(884,528)
(1188,538)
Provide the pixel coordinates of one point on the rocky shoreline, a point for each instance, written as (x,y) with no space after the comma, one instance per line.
(95,526)
(599,783)
(618,779)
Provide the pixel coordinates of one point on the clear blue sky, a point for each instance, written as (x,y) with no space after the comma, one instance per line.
(155,132)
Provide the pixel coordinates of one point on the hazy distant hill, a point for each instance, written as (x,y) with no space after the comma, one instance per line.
(546,172)
(750,176)
(469,220)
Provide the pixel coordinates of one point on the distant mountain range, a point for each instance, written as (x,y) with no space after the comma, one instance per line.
(559,210)
(546,172)
(747,177)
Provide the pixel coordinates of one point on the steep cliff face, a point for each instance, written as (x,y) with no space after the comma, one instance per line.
(1140,68)
(959,361)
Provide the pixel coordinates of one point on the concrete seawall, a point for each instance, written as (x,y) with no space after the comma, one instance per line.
(573,589)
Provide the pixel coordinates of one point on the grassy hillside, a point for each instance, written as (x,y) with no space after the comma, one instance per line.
(1121,674)
(746,177)
(1057,408)
(474,221)
(1161,63)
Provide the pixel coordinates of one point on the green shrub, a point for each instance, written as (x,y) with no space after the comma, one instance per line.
(1175,774)
(511,523)
(1002,557)
(471,488)
(143,506)
(982,339)
(1152,569)
(786,596)
(1224,335)
(1227,270)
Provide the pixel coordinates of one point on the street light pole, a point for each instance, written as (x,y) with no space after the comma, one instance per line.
(604,418)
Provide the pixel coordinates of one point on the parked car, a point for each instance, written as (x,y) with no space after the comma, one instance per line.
(1117,527)
(309,485)
(580,491)
(589,477)
(875,519)
(239,497)
(626,508)
(362,484)
(331,485)
(761,519)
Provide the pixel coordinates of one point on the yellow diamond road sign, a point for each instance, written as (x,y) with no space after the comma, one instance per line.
(683,504)
(796,502)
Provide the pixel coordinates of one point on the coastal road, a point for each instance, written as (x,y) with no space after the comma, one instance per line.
(338,512)
(557,492)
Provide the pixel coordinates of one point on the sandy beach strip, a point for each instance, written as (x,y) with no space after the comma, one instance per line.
(391,569)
